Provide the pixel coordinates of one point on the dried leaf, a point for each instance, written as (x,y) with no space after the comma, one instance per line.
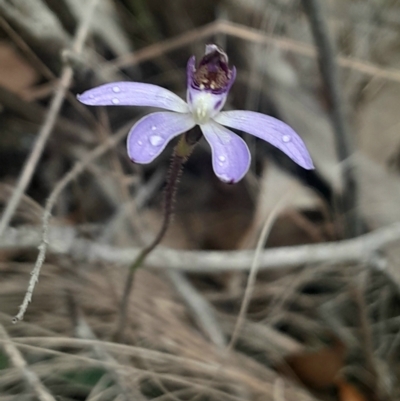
(319,369)
(347,392)
(16,74)
(276,185)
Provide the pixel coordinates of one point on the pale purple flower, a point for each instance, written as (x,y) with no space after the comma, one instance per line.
(207,89)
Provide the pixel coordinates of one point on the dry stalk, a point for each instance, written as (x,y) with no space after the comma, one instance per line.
(250,35)
(84,331)
(251,281)
(19,362)
(347,202)
(44,133)
(203,312)
(64,240)
(70,176)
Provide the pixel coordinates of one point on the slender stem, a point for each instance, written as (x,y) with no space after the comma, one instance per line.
(180,155)
(344,140)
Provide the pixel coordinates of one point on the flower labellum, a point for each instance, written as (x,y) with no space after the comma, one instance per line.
(208,86)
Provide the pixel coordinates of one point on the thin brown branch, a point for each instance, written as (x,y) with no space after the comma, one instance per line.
(250,35)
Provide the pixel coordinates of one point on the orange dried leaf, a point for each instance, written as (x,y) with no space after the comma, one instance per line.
(347,392)
(319,369)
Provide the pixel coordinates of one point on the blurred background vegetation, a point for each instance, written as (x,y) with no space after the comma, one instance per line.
(325,330)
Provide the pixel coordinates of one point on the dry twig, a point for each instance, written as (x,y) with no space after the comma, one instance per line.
(19,362)
(344,145)
(44,134)
(65,240)
(203,311)
(255,267)
(251,35)
(84,331)
(71,175)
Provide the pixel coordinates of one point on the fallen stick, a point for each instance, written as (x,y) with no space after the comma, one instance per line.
(66,240)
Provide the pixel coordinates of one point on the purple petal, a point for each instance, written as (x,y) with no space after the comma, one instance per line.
(133,94)
(190,70)
(269,129)
(230,154)
(151,134)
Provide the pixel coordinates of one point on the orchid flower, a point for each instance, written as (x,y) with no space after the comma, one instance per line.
(208,86)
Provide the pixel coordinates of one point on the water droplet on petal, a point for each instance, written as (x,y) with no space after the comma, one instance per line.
(140,143)
(116,89)
(156,140)
(221,158)
(286,138)
(153,128)
(115,101)
(225,178)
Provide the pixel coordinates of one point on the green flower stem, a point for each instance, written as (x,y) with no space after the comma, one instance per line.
(182,151)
